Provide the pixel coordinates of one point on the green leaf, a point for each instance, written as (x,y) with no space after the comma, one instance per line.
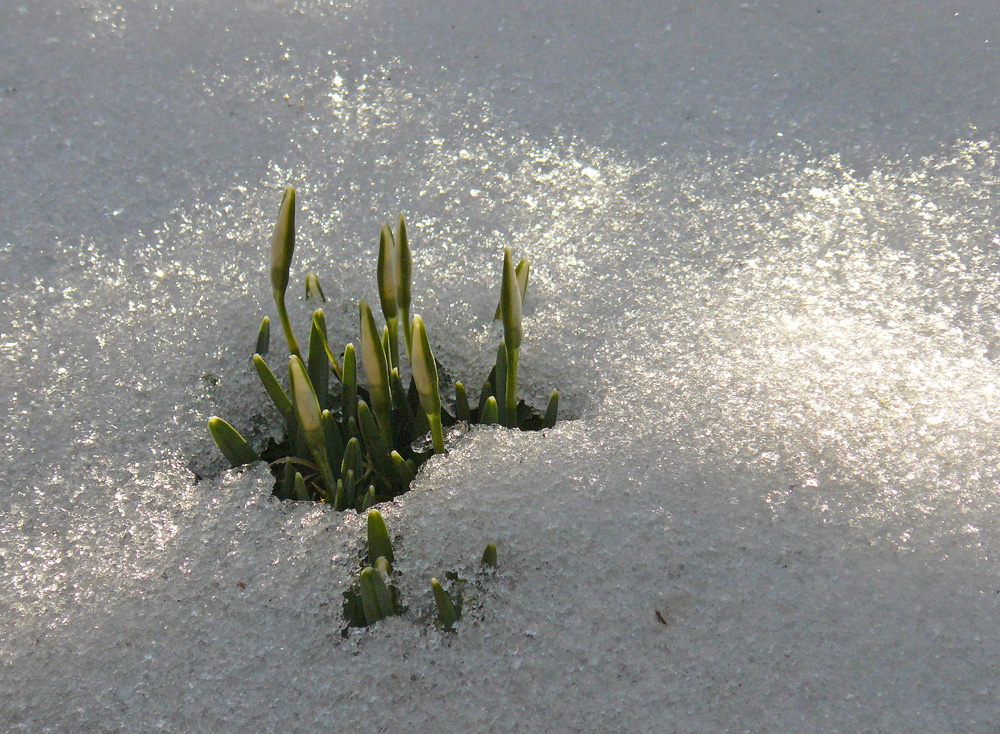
(376,371)
(462,411)
(378,450)
(318,362)
(369,499)
(314,292)
(501,383)
(425,376)
(383,594)
(405,276)
(447,614)
(232,445)
(485,393)
(550,412)
(310,419)
(352,458)
(378,539)
(263,337)
(301,493)
(324,342)
(350,399)
(490,556)
(402,415)
(350,489)
(403,470)
(274,390)
(340,498)
(489,416)
(369,597)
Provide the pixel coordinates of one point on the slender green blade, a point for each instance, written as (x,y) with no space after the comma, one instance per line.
(301,493)
(379,545)
(383,595)
(447,614)
(232,445)
(350,395)
(314,292)
(376,370)
(501,383)
(263,337)
(377,448)
(274,389)
(425,374)
(368,500)
(552,410)
(318,362)
(405,264)
(369,599)
(403,470)
(462,410)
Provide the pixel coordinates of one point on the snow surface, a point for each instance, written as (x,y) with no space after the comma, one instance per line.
(765,281)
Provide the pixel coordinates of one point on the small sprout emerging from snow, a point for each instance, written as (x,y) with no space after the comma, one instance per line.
(354,444)
(447,613)
(233,446)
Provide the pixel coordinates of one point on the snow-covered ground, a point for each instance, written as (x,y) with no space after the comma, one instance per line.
(766,281)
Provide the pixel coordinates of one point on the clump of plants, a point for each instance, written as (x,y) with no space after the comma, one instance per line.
(353,443)
(373,597)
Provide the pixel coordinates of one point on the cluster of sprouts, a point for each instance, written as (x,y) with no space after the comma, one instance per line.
(351,443)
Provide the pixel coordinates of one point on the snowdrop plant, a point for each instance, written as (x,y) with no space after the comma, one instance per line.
(353,444)
(373,598)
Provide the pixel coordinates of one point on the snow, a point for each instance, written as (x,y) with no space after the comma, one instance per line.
(764,279)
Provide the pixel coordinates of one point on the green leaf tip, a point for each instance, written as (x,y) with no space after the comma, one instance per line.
(447,613)
(425,377)
(552,410)
(373,357)
(301,493)
(232,445)
(314,291)
(490,414)
(490,556)
(379,545)
(462,410)
(376,598)
(304,396)
(404,262)
(263,337)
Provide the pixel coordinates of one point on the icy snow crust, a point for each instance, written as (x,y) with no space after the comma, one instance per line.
(780,368)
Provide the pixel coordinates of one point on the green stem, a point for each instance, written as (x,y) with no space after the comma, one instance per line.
(437,433)
(511,391)
(293,345)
